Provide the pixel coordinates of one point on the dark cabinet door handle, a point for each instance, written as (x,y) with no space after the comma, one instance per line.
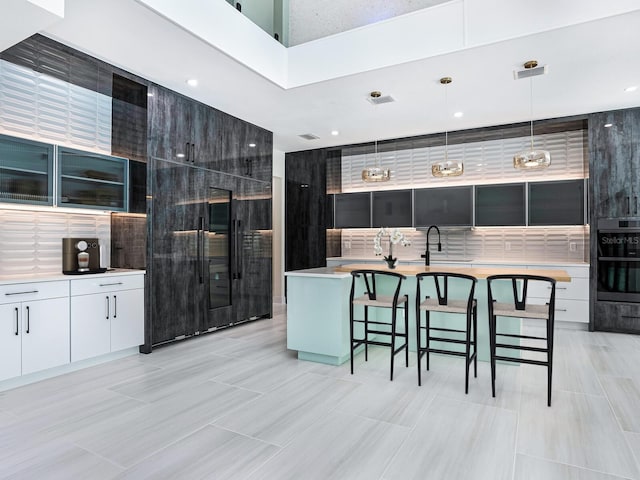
(193,153)
(200,249)
(17,322)
(628,206)
(107,315)
(28,320)
(635,203)
(115,306)
(188,151)
(246,167)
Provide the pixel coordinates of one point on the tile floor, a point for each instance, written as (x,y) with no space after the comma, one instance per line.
(238,405)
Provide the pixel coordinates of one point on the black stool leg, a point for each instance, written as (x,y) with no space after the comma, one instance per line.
(393,339)
(366,333)
(475,341)
(467,356)
(406,329)
(492,346)
(351,333)
(418,345)
(549,359)
(428,334)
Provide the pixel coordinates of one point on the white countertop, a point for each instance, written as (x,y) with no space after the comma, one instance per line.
(475,261)
(51,277)
(328,272)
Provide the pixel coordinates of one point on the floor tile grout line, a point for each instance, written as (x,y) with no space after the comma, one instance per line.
(579,467)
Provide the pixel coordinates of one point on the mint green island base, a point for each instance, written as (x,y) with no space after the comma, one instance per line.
(318,314)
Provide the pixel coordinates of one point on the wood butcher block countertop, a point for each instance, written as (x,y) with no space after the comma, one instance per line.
(480,272)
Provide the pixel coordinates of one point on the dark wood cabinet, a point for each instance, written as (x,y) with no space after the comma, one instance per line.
(617,317)
(170,122)
(246,150)
(353,210)
(614,148)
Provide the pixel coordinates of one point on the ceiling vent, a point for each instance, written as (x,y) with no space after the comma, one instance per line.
(309,136)
(529,72)
(381,99)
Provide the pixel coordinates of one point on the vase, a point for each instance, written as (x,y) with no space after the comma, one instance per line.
(391,263)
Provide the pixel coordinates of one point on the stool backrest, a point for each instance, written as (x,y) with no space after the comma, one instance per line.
(520,295)
(370,276)
(441,282)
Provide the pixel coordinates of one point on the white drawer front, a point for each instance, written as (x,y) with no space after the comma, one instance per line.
(577,289)
(572,311)
(106,283)
(23,292)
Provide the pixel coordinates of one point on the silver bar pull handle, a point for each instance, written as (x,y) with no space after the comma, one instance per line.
(28,319)
(561,309)
(17,322)
(115,306)
(107,299)
(110,284)
(20,293)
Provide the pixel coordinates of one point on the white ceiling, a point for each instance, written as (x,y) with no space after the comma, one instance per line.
(590,64)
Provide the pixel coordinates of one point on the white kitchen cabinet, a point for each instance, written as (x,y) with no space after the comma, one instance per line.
(107,315)
(572,299)
(34,327)
(10,341)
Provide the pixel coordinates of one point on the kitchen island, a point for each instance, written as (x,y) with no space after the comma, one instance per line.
(318,306)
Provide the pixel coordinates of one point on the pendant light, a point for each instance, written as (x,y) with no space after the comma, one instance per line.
(446,167)
(531,159)
(376,173)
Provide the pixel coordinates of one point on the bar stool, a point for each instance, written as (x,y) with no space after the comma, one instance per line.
(520,309)
(374,298)
(467,305)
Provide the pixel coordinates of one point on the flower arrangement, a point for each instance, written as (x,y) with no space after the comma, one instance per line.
(395,237)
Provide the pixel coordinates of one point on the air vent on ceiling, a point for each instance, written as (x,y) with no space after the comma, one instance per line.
(530,72)
(381,99)
(309,136)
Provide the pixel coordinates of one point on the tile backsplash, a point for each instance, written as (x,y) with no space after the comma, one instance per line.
(31,240)
(554,244)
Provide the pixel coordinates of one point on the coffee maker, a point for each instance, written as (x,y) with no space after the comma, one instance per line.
(80,256)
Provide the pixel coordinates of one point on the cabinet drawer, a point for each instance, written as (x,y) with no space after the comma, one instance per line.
(106,283)
(23,292)
(577,289)
(569,310)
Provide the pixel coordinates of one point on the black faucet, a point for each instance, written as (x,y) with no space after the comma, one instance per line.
(426,253)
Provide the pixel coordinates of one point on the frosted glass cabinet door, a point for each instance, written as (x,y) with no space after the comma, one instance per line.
(127,319)
(45,334)
(10,343)
(90,326)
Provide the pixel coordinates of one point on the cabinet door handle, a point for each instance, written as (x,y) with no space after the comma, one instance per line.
(20,293)
(635,203)
(107,316)
(115,306)
(557,288)
(17,323)
(247,169)
(628,206)
(110,284)
(28,319)
(561,309)
(193,153)
(188,151)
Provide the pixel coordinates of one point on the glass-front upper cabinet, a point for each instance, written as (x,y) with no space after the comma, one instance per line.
(91,180)
(26,171)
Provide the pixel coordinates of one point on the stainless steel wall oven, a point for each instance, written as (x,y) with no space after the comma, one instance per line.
(618,260)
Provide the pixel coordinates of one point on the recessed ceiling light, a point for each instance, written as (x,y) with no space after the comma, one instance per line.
(192,82)
(252,145)
(458,114)
(335,133)
(608,125)
(632,88)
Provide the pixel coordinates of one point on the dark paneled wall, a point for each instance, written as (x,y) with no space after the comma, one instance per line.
(306,208)
(614,191)
(128,240)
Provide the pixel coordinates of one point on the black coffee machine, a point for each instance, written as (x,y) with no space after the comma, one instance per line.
(81,256)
